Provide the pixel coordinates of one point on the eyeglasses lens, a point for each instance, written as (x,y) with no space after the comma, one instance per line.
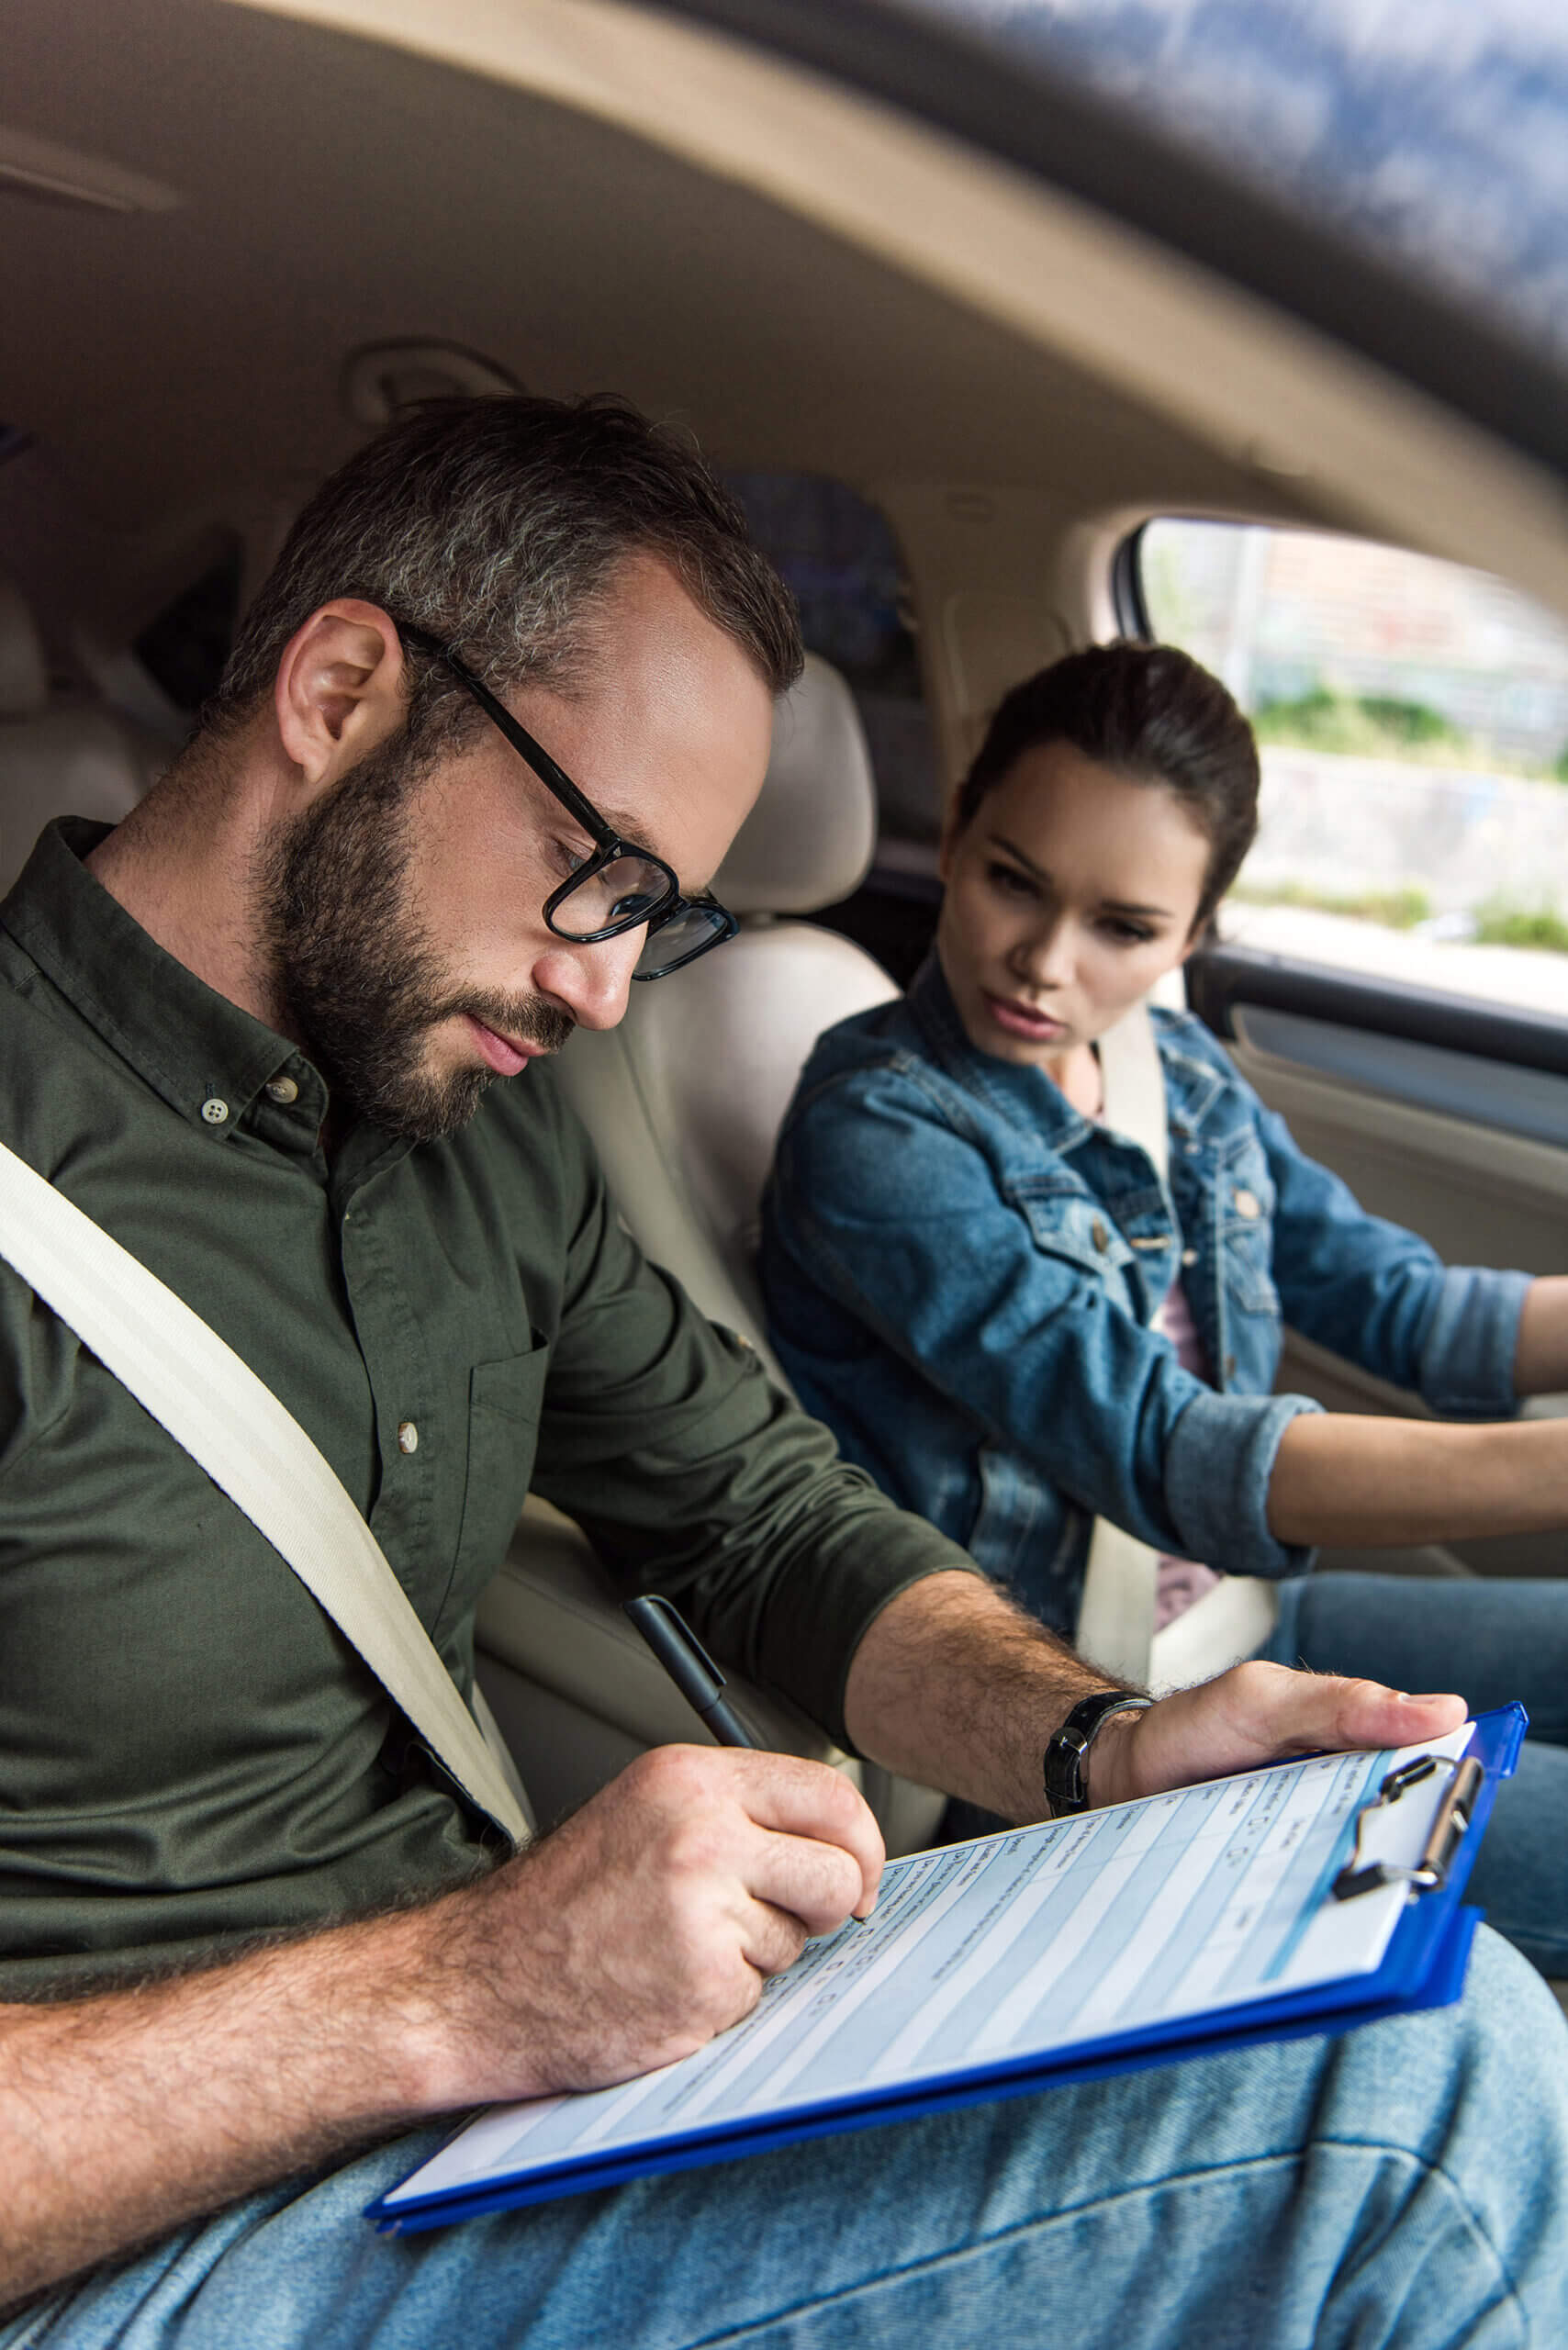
(675,941)
(620,894)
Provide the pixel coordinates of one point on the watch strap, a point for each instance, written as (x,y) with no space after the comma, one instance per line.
(1065,1790)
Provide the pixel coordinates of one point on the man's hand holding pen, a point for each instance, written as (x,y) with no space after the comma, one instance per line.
(646,1923)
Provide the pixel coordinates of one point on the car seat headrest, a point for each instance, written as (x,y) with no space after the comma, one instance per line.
(24,673)
(808,842)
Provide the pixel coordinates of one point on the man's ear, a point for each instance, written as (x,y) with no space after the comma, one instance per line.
(339,689)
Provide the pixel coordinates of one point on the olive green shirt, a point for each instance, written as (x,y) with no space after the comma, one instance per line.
(189,1750)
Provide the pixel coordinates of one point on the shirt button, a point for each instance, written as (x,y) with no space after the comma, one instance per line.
(1189,1255)
(408,1437)
(1247,1205)
(283,1089)
(213,1111)
(1099,1235)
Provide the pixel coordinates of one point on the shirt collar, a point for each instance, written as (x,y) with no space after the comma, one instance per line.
(1024,1096)
(205,1057)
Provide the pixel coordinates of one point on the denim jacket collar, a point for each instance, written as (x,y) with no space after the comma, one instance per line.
(1025,1097)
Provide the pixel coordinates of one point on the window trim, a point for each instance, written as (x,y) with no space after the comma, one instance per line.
(965,80)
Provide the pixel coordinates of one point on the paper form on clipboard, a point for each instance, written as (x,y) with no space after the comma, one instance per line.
(1002,1958)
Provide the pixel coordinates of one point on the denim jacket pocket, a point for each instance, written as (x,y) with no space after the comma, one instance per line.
(1246,1200)
(1074,1225)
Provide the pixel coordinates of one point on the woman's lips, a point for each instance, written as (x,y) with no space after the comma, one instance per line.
(1036,1027)
(505,1058)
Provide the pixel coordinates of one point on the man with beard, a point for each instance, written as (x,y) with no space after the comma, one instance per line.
(482,740)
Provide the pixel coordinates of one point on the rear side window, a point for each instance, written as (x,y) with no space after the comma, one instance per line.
(184,646)
(839,556)
(1412,719)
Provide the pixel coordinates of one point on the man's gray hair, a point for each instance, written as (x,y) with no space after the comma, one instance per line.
(495,525)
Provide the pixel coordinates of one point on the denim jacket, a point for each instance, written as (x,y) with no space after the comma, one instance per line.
(960,1271)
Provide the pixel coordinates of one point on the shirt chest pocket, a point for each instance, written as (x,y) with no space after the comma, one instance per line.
(505,1400)
(1245,1212)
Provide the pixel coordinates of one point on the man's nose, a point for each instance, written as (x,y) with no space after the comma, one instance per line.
(592,981)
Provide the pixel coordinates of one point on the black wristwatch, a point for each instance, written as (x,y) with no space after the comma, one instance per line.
(1065,1790)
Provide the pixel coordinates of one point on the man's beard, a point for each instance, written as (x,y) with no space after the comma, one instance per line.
(361,982)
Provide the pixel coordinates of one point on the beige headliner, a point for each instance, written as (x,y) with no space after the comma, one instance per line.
(604,197)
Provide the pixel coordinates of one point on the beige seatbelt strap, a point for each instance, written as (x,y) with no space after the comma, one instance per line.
(1116,1615)
(233,1426)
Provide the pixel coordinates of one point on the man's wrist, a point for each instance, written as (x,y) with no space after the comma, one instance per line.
(1068,1754)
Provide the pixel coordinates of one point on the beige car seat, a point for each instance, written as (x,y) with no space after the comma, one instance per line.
(684,1100)
(58,757)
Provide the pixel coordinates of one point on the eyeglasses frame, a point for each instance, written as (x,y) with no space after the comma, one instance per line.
(609,843)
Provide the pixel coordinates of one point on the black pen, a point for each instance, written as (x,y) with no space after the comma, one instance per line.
(689,1666)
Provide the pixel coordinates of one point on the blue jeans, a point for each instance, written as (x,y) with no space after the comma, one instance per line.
(1492,1640)
(1402,2187)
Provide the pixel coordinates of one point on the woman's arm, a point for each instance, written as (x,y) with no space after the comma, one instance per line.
(1541,1351)
(882,1207)
(1342,1478)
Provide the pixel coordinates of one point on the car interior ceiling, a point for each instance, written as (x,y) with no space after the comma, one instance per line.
(184,364)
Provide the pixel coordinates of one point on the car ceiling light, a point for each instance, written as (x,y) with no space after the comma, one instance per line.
(40,167)
(384,379)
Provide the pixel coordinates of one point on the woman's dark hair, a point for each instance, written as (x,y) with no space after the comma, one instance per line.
(1149,712)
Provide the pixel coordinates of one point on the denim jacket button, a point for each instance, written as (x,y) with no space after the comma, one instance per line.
(1099,1235)
(1189,1255)
(1247,1205)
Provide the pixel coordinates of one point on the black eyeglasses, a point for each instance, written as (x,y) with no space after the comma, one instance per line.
(619,886)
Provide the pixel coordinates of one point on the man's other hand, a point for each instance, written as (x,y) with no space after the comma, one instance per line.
(1255,1713)
(646,1923)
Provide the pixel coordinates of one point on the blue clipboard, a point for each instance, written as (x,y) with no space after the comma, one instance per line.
(1423,1967)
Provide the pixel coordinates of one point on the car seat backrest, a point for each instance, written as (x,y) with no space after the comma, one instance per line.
(684,1100)
(686,1097)
(58,757)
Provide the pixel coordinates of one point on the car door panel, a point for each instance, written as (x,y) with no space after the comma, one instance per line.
(1466,1146)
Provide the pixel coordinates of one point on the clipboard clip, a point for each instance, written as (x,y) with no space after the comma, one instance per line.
(1455,1816)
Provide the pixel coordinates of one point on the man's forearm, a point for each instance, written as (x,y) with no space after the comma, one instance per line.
(645,1923)
(956,1688)
(953,1686)
(124,2115)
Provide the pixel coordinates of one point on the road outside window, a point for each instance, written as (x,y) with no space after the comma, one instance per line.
(1412,721)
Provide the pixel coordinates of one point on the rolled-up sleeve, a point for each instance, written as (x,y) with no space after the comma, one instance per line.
(1381,1296)
(1465,1366)
(1027,1346)
(1217,1467)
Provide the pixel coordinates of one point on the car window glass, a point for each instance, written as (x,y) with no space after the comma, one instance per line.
(839,556)
(1430,138)
(1412,719)
(184,647)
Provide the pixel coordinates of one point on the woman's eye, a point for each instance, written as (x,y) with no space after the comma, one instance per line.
(1126,934)
(1010,881)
